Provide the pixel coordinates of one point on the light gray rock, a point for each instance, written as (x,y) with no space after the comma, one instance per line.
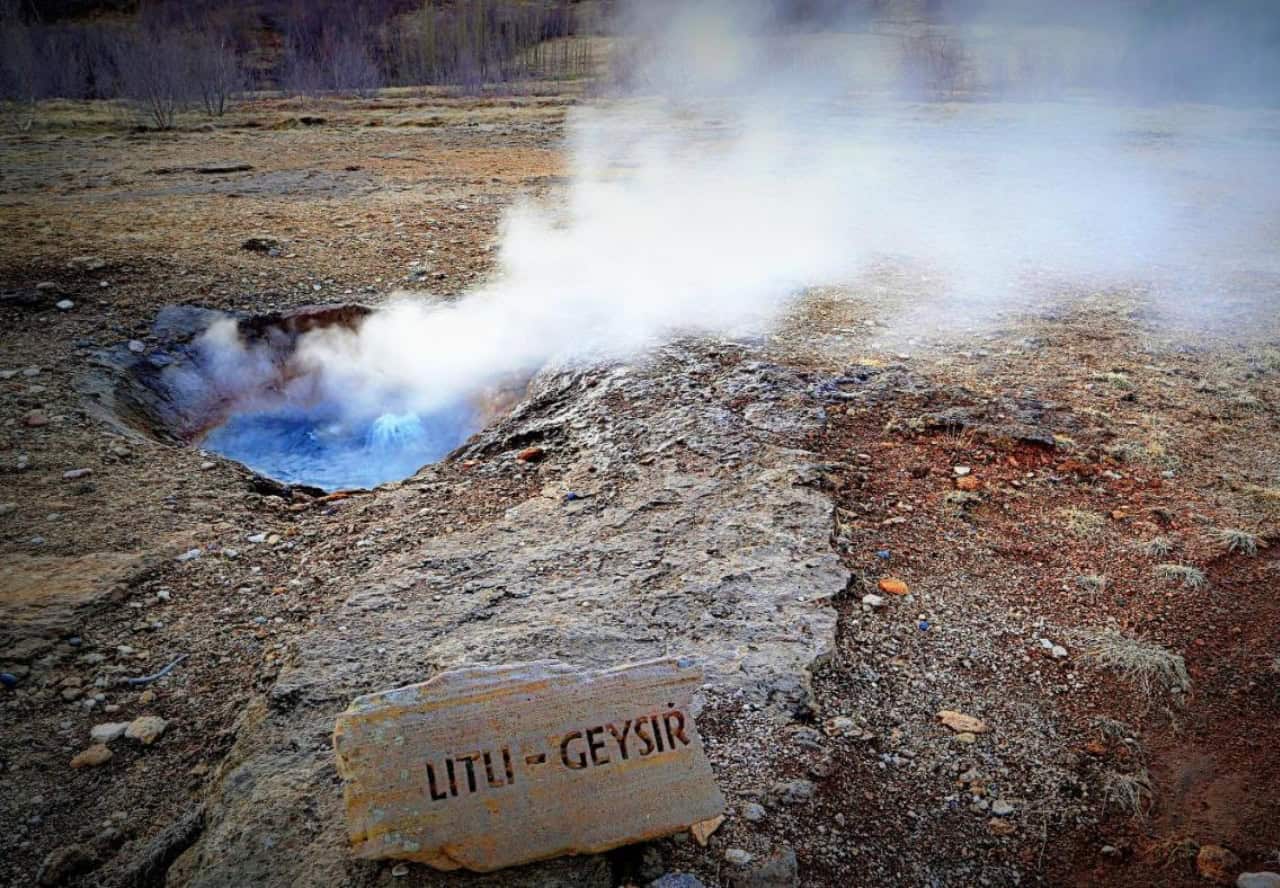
(1258,880)
(676,880)
(778,870)
(107,731)
(792,792)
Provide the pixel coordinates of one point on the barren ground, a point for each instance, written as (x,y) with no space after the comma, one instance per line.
(1087,428)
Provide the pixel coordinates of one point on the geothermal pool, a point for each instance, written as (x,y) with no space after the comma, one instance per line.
(321,447)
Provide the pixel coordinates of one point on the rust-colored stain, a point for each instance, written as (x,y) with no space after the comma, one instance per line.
(488,767)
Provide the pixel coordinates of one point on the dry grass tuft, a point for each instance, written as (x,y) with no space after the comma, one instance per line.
(1190,577)
(1081,522)
(1156,547)
(1148,667)
(1119,380)
(1131,794)
(1181,851)
(1268,496)
(1112,729)
(1233,540)
(1094,584)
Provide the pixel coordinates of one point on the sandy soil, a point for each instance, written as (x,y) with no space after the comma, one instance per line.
(1087,431)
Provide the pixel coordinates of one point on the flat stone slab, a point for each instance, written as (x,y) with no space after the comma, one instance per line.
(488,767)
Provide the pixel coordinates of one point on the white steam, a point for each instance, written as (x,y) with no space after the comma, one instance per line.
(751,165)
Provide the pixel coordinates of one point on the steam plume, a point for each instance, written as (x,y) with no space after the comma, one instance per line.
(750,159)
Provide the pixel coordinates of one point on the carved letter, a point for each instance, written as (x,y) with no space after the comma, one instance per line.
(643,733)
(621,739)
(595,743)
(470,760)
(436,795)
(453,778)
(564,752)
(677,716)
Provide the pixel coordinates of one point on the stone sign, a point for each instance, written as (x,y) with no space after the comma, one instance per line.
(487,767)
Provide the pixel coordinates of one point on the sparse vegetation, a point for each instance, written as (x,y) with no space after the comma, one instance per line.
(1149,668)
(1094,584)
(1232,539)
(1269,496)
(1131,794)
(1081,522)
(1116,379)
(1190,577)
(1156,547)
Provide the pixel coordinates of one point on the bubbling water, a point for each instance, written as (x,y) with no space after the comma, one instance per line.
(321,447)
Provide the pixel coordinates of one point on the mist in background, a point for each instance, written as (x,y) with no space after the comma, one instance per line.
(751,150)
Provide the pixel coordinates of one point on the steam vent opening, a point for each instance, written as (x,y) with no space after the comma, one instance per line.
(229,384)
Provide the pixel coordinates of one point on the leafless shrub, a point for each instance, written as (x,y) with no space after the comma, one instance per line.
(216,70)
(937,64)
(491,41)
(19,69)
(1231,539)
(1190,577)
(1148,667)
(154,74)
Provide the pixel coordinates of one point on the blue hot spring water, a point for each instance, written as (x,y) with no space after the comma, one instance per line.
(321,448)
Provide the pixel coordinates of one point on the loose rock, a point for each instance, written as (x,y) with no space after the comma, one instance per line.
(1217,864)
(961,723)
(146,729)
(95,755)
(107,731)
(677,880)
(778,870)
(1258,880)
(703,829)
(893,586)
(792,792)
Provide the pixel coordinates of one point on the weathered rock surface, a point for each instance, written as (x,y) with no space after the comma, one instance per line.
(489,767)
(696,530)
(178,389)
(44,595)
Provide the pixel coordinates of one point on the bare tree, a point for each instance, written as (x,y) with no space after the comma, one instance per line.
(19,69)
(349,67)
(215,70)
(154,74)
